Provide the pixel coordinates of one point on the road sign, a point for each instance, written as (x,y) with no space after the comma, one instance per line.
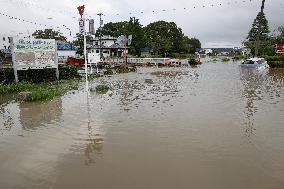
(279,48)
(81,26)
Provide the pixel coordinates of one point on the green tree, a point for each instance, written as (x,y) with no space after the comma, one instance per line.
(164,37)
(280,36)
(132,27)
(79,42)
(113,29)
(265,47)
(264,29)
(138,37)
(49,34)
(195,43)
(185,47)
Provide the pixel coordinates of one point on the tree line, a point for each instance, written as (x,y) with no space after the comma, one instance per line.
(160,38)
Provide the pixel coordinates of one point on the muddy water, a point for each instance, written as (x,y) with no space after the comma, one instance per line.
(210,127)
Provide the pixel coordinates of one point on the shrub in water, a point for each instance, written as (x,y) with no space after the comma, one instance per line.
(102,89)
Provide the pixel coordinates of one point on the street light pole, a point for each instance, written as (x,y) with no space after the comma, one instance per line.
(100,37)
(257,42)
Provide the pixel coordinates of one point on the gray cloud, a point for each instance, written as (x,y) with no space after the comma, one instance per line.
(218,26)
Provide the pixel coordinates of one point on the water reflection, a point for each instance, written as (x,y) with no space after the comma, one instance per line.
(6,119)
(152,87)
(35,114)
(94,141)
(264,86)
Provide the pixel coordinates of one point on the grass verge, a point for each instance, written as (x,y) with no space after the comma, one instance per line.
(40,92)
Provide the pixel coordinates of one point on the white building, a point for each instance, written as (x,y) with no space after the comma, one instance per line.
(109,47)
(4,42)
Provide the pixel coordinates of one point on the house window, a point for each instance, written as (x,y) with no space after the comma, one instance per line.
(4,47)
(4,39)
(97,51)
(96,43)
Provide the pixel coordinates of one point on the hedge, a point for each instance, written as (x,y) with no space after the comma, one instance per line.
(38,76)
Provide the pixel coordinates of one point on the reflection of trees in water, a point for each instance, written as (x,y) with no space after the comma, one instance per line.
(34,114)
(266,86)
(6,120)
(251,81)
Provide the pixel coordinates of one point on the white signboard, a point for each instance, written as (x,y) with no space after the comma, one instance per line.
(34,53)
(81,26)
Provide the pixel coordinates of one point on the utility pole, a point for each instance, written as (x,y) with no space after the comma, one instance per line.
(100,37)
(257,42)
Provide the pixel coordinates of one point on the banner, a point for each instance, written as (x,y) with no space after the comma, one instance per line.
(34,53)
(279,48)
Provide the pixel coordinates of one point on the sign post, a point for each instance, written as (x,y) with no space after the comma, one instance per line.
(82,31)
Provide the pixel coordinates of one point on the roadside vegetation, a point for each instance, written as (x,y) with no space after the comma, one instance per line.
(225,59)
(275,61)
(38,85)
(102,89)
(27,91)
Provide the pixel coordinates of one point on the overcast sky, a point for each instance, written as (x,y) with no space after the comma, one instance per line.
(221,23)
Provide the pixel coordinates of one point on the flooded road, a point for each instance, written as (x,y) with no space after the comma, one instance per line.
(210,127)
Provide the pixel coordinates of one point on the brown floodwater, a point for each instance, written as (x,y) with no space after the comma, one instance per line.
(210,127)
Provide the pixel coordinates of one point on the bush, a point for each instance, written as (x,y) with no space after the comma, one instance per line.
(41,91)
(182,56)
(102,89)
(6,75)
(125,69)
(274,58)
(276,64)
(39,76)
(225,59)
(239,57)
(68,71)
(108,72)
(192,61)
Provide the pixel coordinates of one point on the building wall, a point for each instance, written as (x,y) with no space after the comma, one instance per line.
(104,42)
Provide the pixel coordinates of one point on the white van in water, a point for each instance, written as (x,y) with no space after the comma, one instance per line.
(255,63)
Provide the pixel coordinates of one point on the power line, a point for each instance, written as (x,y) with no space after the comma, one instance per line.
(34,23)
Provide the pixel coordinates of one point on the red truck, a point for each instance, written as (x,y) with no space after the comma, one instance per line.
(76,61)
